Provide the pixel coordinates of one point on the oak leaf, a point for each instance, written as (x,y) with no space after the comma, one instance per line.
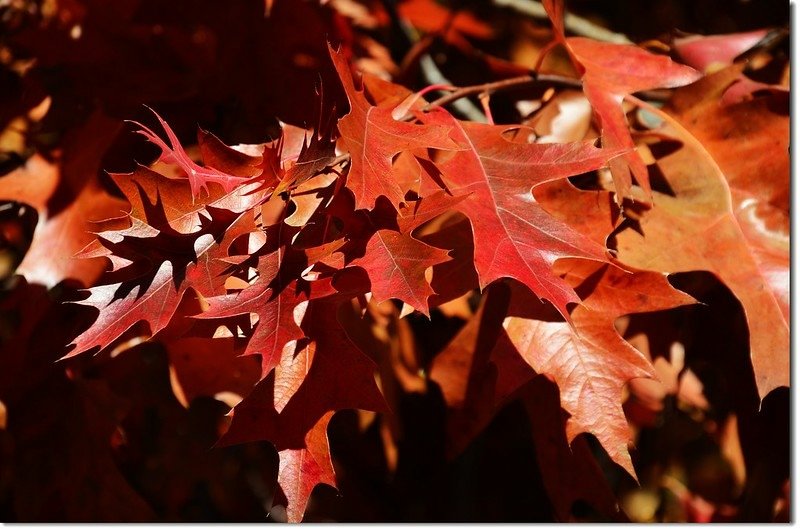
(199,177)
(589,361)
(750,143)
(609,72)
(395,261)
(513,235)
(302,469)
(693,226)
(373,136)
(157,268)
(273,297)
(484,366)
(65,224)
(325,373)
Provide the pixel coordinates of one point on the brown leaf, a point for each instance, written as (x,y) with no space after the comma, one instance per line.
(693,227)
(69,200)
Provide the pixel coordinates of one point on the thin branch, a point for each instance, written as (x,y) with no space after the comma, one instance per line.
(573,23)
(526,81)
(523,81)
(434,76)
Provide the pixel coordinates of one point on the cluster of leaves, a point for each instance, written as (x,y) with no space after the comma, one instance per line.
(280,277)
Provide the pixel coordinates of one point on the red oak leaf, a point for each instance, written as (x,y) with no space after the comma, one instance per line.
(163,266)
(276,291)
(481,371)
(199,177)
(302,469)
(167,204)
(292,406)
(171,245)
(396,262)
(372,137)
(750,143)
(329,373)
(513,235)
(610,72)
(589,360)
(725,224)
(273,298)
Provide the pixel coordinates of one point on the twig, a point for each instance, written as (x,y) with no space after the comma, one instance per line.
(505,84)
(573,23)
(525,81)
(434,76)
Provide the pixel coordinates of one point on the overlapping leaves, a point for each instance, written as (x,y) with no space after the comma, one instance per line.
(267,250)
(223,236)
